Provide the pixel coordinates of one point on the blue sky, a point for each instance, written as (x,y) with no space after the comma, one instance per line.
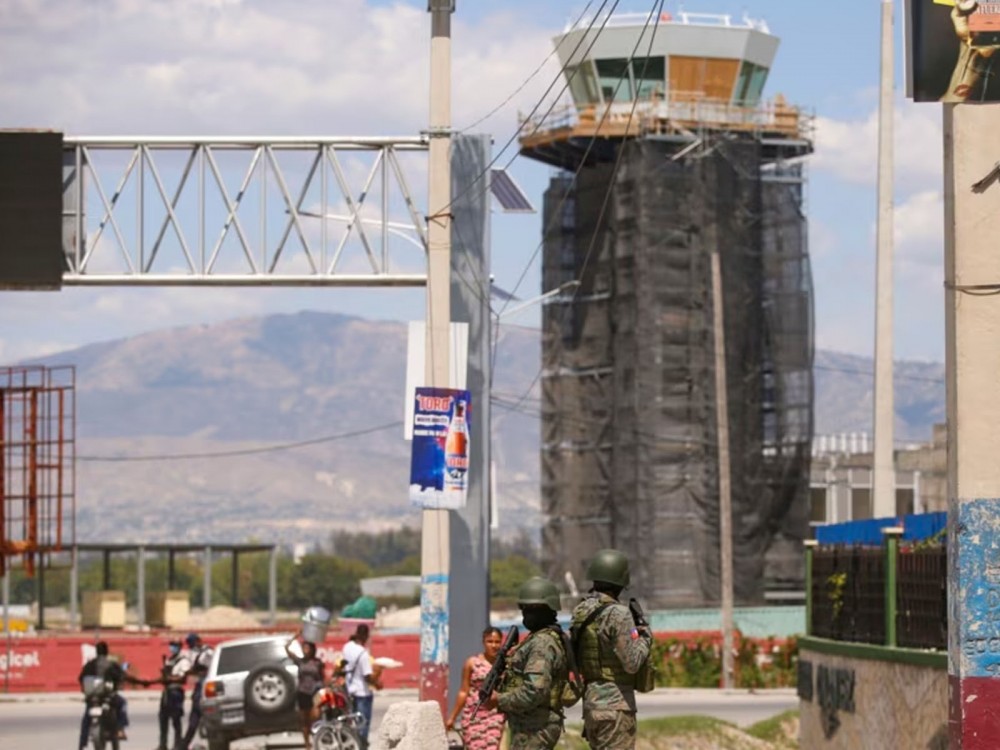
(359,67)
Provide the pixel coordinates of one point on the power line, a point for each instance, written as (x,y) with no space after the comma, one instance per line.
(534,109)
(896,376)
(243,451)
(527,80)
(658,5)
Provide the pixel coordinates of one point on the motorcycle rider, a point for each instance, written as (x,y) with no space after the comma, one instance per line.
(104,667)
(200,657)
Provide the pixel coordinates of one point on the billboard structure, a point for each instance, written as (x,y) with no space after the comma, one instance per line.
(37,461)
(953,50)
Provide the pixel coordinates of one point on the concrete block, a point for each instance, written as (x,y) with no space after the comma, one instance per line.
(411,725)
(103,609)
(169,609)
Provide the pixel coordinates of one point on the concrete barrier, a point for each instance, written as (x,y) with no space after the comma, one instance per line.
(411,725)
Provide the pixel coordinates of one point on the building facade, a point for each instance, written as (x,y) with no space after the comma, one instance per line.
(666,159)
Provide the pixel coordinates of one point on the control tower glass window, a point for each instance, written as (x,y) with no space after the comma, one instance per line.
(616,84)
(583,83)
(750,85)
(649,74)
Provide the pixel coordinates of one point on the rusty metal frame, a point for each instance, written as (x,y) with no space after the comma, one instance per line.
(37,460)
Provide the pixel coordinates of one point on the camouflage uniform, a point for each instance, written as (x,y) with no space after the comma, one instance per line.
(531,691)
(608,668)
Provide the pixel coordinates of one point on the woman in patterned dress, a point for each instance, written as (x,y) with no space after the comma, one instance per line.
(486,730)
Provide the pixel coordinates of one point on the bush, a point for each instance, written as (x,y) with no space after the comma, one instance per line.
(764,663)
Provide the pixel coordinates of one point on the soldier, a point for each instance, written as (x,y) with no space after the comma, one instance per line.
(610,649)
(531,692)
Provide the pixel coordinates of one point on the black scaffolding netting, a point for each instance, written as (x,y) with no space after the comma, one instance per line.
(629,439)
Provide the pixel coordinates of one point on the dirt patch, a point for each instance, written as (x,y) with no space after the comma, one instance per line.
(220,618)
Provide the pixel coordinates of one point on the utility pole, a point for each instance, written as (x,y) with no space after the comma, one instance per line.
(725,485)
(435,552)
(972,361)
(884,470)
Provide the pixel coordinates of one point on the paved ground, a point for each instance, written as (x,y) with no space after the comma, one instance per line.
(52,720)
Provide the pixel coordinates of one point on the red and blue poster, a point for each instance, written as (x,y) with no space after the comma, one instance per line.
(439,464)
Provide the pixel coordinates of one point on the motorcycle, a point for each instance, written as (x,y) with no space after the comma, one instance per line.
(338,725)
(102,708)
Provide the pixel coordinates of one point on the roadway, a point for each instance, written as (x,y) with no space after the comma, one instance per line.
(53,720)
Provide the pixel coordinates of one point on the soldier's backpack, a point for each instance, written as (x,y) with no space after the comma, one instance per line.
(573,689)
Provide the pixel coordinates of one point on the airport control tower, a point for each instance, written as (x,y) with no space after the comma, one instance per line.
(667,152)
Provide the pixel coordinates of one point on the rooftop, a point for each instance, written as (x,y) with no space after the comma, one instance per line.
(612,20)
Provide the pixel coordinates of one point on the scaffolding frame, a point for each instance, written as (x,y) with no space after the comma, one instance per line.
(629,451)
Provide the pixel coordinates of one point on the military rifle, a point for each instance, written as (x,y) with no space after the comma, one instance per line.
(492,680)
(638,616)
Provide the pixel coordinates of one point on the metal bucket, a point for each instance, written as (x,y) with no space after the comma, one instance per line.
(315,623)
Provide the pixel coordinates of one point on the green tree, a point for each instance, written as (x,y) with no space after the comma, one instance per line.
(380,549)
(326,581)
(507,575)
(408,566)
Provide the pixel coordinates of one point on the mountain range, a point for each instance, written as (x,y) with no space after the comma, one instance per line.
(287,427)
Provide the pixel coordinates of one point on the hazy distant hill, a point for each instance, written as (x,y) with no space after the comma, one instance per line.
(251,383)
(845,388)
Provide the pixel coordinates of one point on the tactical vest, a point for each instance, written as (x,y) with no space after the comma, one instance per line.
(595,668)
(168,669)
(516,679)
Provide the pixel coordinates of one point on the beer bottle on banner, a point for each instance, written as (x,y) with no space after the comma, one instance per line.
(456,451)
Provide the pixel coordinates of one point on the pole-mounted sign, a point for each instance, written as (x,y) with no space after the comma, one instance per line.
(953,50)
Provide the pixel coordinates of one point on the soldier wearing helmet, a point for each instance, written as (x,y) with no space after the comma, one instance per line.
(610,650)
(531,692)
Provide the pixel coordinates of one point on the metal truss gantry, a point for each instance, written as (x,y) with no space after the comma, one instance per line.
(243,211)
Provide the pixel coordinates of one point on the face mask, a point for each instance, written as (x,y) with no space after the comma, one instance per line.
(537,618)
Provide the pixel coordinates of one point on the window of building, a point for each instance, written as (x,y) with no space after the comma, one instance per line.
(817,504)
(861,503)
(650,76)
(613,76)
(749,85)
(904,501)
(583,83)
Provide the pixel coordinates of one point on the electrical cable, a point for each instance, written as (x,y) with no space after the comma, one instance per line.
(527,80)
(534,109)
(242,451)
(617,164)
(895,376)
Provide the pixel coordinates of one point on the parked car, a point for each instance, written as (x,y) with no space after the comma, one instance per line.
(249,691)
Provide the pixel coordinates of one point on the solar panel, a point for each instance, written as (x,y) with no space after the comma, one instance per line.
(508,193)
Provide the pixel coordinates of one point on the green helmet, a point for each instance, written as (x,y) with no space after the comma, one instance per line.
(539,590)
(609,566)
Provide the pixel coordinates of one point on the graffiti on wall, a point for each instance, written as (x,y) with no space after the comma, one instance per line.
(833,689)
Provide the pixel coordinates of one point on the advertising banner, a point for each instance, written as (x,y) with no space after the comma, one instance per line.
(952,50)
(439,464)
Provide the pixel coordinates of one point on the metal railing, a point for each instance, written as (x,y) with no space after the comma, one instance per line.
(683,18)
(659,113)
(890,595)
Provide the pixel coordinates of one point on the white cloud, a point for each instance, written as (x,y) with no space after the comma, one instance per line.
(209,67)
(849,148)
(918,228)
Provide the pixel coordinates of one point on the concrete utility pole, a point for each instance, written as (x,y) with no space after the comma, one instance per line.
(725,484)
(884,474)
(435,553)
(972,361)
